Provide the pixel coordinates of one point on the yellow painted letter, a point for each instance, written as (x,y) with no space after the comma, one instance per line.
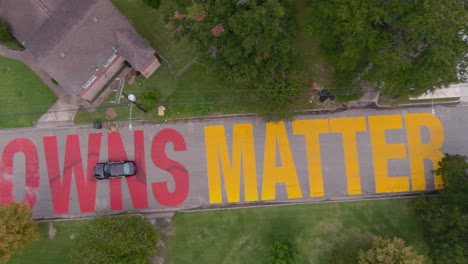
(419,151)
(243,151)
(311,130)
(382,152)
(348,128)
(286,173)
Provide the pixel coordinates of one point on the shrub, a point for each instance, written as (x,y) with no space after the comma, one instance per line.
(153,3)
(282,253)
(149,99)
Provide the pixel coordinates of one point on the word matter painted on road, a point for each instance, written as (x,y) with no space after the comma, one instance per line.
(222,166)
(231,167)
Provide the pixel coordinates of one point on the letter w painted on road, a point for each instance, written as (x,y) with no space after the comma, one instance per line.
(60,185)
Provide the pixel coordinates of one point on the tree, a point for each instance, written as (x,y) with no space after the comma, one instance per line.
(5,32)
(17,229)
(389,251)
(246,43)
(126,239)
(445,217)
(282,253)
(397,44)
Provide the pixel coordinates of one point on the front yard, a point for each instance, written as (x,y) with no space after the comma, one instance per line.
(186,87)
(23,96)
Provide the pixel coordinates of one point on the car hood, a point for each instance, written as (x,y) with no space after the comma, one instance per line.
(99,170)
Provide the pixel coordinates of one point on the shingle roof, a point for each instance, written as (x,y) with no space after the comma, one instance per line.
(78,38)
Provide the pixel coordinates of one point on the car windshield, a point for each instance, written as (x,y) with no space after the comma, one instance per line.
(106,170)
(126,167)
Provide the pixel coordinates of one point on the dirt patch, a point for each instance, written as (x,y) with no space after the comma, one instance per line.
(52,231)
(111,113)
(165,228)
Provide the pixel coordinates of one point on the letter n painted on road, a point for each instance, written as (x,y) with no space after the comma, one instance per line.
(217,161)
(137,184)
(60,185)
(276,135)
(348,128)
(419,151)
(178,171)
(382,152)
(311,129)
(27,147)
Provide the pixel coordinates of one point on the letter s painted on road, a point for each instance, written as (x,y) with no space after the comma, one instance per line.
(177,170)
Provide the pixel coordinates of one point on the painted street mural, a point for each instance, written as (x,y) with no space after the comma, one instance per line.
(190,165)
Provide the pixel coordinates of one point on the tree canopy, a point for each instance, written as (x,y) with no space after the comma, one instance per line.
(400,45)
(389,251)
(445,217)
(246,43)
(126,239)
(17,229)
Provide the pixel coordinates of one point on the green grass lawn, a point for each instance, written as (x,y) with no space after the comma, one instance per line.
(323,233)
(23,96)
(51,251)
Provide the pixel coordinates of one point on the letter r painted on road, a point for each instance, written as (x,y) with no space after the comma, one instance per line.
(217,161)
(418,151)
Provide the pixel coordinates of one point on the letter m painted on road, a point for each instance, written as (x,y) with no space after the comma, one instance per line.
(60,184)
(217,161)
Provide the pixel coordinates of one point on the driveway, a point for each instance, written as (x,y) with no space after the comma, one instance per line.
(224,162)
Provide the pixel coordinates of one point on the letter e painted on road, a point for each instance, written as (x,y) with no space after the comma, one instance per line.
(382,152)
(348,128)
(27,147)
(178,171)
(311,130)
(419,151)
(217,161)
(276,136)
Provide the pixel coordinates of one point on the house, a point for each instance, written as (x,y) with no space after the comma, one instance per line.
(81,44)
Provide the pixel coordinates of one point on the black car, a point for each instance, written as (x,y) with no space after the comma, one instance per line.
(114,169)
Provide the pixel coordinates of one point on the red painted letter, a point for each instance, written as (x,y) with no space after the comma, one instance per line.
(177,170)
(137,184)
(29,150)
(60,186)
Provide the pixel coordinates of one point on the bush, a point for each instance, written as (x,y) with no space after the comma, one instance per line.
(149,99)
(126,239)
(153,3)
(282,253)
(388,251)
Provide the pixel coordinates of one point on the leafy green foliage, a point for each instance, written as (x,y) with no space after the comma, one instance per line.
(149,99)
(153,3)
(445,217)
(5,32)
(282,253)
(399,44)
(389,251)
(126,239)
(17,228)
(245,42)
(278,99)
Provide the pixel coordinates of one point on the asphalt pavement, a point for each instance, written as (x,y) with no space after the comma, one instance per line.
(230,162)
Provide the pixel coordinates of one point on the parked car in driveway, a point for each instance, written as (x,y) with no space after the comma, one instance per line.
(114,169)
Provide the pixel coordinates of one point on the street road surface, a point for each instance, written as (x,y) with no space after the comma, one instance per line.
(226,161)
